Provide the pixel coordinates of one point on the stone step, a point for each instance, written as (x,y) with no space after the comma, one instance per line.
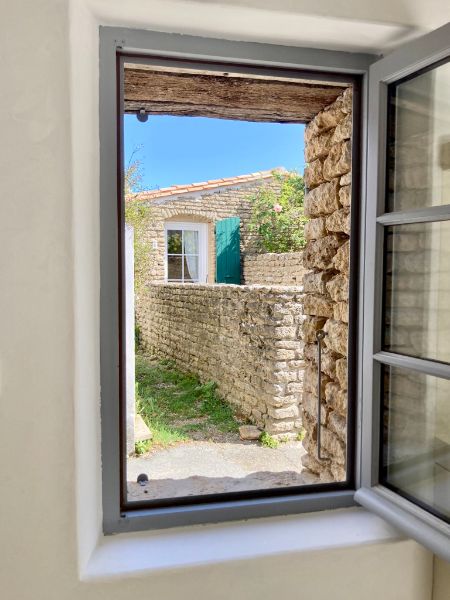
(141,431)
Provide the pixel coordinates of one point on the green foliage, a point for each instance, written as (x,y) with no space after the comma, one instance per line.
(177,407)
(278,217)
(137,338)
(268,441)
(141,447)
(138,215)
(301,435)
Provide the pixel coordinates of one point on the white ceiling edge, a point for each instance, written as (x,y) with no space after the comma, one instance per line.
(234,21)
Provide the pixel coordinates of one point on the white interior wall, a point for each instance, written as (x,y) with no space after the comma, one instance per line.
(50,507)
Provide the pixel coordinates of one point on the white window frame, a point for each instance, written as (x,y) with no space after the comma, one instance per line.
(248,57)
(202,229)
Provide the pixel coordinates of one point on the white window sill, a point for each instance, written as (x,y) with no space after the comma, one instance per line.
(133,554)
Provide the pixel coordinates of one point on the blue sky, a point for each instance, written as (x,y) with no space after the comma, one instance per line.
(176,150)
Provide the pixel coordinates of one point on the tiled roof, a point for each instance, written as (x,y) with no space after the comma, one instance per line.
(205,186)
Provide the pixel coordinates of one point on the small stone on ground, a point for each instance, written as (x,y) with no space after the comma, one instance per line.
(249,432)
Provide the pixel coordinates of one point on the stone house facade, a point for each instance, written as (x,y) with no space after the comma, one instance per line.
(198,207)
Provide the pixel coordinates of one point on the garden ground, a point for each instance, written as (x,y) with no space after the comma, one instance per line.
(196,447)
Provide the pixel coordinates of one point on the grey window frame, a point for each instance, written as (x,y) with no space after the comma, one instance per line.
(407,516)
(248,57)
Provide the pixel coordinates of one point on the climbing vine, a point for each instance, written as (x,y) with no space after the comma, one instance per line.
(138,216)
(278,217)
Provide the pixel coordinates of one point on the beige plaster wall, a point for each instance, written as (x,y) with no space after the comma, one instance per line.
(50,517)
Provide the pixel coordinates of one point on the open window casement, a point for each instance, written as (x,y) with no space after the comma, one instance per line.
(405,426)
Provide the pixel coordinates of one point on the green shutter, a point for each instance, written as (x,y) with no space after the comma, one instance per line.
(228,251)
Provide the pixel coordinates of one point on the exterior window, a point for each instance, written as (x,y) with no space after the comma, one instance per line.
(399,352)
(186,252)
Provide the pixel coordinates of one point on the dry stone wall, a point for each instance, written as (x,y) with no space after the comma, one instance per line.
(273,269)
(326,284)
(245,338)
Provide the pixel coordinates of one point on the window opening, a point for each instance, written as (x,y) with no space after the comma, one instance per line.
(233,277)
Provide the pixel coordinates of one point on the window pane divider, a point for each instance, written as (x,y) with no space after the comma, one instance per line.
(429,367)
(422,215)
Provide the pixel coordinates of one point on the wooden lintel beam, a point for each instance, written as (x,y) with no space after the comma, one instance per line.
(159,92)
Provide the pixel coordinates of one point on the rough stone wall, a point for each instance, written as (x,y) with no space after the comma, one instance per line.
(206,208)
(273,269)
(245,338)
(326,256)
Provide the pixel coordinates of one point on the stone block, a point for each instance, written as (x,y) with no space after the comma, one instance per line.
(323,200)
(346,179)
(318,146)
(339,222)
(347,100)
(310,381)
(249,432)
(310,406)
(338,161)
(337,287)
(325,120)
(321,254)
(342,132)
(333,445)
(345,194)
(336,397)
(285,412)
(315,228)
(338,424)
(311,464)
(342,372)
(340,312)
(313,175)
(311,326)
(315,282)
(341,260)
(318,306)
(337,336)
(274,426)
(338,472)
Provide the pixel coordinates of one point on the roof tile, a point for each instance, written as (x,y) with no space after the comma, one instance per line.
(212,184)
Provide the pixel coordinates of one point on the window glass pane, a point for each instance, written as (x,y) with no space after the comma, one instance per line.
(190,242)
(417,290)
(174,241)
(419,141)
(224,387)
(190,267)
(416,418)
(174,268)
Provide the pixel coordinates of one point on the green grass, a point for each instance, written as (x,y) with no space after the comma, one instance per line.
(268,441)
(175,405)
